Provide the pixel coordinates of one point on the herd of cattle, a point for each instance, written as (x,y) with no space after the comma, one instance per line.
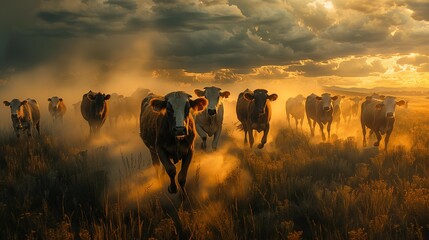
(169,124)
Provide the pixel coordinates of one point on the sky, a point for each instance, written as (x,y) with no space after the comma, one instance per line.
(354,43)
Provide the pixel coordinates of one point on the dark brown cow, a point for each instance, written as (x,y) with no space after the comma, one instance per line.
(379,117)
(320,111)
(168,129)
(94,109)
(254,112)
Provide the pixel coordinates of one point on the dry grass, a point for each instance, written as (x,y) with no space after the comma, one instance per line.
(293,189)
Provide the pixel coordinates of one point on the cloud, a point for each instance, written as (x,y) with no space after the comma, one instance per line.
(127,4)
(420,9)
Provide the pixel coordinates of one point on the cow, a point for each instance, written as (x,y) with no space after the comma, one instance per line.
(94,109)
(336,114)
(254,112)
(379,117)
(25,115)
(295,108)
(116,107)
(209,122)
(167,128)
(346,110)
(132,104)
(320,110)
(355,106)
(57,108)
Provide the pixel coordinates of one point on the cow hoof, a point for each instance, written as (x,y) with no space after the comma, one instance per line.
(260,146)
(376,144)
(172,189)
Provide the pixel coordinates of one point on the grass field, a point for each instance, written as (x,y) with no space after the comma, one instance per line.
(65,186)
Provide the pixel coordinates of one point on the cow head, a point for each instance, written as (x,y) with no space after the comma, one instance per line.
(16,112)
(327,101)
(260,96)
(388,106)
(356,100)
(100,101)
(176,106)
(214,96)
(54,102)
(300,98)
(337,102)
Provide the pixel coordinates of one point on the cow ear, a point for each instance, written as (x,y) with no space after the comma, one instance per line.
(199,92)
(225,94)
(199,104)
(273,97)
(248,96)
(157,104)
(334,98)
(49,99)
(6,103)
(318,98)
(24,102)
(379,106)
(107,97)
(400,103)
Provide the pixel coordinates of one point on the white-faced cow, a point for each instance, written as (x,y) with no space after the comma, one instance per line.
(94,109)
(25,115)
(209,122)
(254,112)
(379,117)
(57,108)
(319,110)
(295,108)
(168,129)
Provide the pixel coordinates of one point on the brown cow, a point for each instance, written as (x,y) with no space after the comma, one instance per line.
(254,112)
(94,109)
(57,108)
(25,115)
(320,110)
(168,129)
(379,117)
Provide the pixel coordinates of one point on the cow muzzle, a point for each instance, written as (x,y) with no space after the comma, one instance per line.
(326,108)
(179,131)
(211,112)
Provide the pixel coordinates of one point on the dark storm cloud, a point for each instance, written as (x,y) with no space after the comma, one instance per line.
(347,68)
(127,4)
(420,9)
(217,36)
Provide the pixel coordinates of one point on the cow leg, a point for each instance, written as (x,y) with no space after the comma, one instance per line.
(328,127)
(377,133)
(169,168)
(296,123)
(186,161)
(386,139)
(245,134)
(264,137)
(363,133)
(216,138)
(30,129)
(321,130)
(251,138)
(203,136)
(38,128)
(155,161)
(288,119)
(301,122)
(310,125)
